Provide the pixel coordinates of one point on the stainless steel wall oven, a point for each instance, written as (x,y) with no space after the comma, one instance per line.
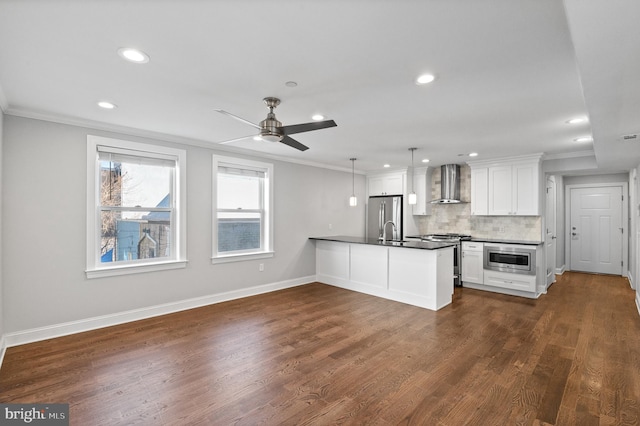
(510,258)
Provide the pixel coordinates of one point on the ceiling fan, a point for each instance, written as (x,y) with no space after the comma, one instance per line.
(272,130)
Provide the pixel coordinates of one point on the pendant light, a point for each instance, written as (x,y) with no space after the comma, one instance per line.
(413,198)
(353,200)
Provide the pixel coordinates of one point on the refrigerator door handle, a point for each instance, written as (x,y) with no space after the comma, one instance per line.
(379,219)
(397,221)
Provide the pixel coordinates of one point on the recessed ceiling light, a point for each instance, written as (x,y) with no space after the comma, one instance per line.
(473,154)
(318,117)
(291,84)
(584,139)
(577,120)
(425,79)
(386,166)
(133,55)
(106,105)
(425,160)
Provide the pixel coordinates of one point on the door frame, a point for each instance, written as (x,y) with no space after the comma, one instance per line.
(625,221)
(554,217)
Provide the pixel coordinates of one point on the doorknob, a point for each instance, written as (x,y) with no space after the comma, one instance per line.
(553,237)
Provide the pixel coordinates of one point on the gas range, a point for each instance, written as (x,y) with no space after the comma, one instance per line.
(457,251)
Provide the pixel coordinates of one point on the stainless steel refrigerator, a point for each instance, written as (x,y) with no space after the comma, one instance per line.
(382,209)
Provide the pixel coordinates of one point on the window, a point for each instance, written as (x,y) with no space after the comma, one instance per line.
(242,209)
(135,207)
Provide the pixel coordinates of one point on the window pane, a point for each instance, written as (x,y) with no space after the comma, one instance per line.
(239,231)
(129,184)
(124,239)
(239,192)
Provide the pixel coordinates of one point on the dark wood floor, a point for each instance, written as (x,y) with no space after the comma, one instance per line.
(321,355)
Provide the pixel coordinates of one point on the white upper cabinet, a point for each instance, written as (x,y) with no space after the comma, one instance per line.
(526,189)
(500,191)
(391,184)
(506,187)
(422,188)
(479,191)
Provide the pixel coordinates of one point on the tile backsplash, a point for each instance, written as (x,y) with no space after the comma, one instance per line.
(456,218)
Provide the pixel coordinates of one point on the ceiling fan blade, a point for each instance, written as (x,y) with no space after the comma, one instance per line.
(235,139)
(307,127)
(221,111)
(294,143)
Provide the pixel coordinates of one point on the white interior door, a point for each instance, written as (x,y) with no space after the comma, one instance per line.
(595,229)
(550,236)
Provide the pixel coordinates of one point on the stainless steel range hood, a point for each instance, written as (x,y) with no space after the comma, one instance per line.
(449,185)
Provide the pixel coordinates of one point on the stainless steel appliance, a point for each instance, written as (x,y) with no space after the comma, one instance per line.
(449,185)
(381,210)
(510,258)
(457,251)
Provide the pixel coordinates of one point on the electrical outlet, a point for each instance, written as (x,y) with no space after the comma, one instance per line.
(261,267)
(501,229)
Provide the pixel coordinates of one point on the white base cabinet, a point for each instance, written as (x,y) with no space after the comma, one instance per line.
(475,276)
(417,277)
(511,281)
(472,262)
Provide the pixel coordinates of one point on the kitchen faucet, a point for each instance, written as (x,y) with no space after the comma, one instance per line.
(384,230)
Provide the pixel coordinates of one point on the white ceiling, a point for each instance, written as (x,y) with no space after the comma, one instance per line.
(509,74)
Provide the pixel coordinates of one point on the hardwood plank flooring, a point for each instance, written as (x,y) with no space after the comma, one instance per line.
(316,355)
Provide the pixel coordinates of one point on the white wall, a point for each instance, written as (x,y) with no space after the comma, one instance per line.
(634,214)
(44,230)
(596,179)
(1,242)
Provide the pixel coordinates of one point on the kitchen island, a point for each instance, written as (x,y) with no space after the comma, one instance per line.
(418,273)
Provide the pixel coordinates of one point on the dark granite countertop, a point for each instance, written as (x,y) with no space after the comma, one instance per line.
(499,241)
(424,245)
(494,240)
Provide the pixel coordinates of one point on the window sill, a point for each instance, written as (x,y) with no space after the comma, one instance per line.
(241,257)
(135,269)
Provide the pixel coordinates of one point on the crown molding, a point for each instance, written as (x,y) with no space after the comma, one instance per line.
(574,154)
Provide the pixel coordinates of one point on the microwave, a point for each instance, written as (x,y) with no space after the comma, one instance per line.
(510,258)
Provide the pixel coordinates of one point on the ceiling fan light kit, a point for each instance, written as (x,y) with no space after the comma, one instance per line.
(272,130)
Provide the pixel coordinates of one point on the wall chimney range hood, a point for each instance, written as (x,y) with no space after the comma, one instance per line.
(449,185)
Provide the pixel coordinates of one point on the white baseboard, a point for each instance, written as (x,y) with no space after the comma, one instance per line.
(3,348)
(64,329)
(638,301)
(561,270)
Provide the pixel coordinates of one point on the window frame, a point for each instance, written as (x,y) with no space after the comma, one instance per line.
(266,231)
(178,258)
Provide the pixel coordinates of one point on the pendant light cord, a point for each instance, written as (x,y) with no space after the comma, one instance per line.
(353,176)
(412,168)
